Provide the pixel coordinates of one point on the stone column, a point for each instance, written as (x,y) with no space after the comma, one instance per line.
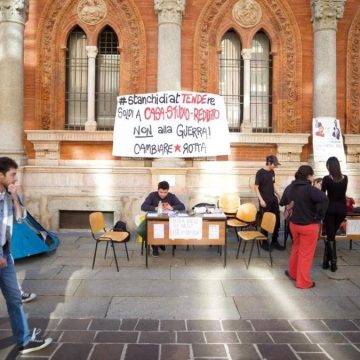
(246,124)
(325,14)
(13,15)
(170,14)
(90,124)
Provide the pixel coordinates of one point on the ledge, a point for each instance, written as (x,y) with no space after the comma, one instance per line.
(47,143)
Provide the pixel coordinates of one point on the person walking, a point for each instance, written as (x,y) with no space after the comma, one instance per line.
(269,198)
(309,208)
(11,210)
(335,186)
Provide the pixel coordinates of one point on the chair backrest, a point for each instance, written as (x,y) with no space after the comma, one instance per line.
(97,222)
(247,213)
(229,202)
(268,222)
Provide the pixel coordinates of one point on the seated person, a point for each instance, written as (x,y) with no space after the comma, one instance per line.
(168,201)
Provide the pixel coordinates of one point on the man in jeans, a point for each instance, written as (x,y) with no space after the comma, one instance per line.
(269,197)
(11,210)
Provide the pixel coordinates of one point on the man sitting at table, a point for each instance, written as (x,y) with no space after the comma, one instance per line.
(168,202)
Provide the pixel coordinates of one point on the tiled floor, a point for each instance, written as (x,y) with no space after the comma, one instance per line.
(188,306)
(146,339)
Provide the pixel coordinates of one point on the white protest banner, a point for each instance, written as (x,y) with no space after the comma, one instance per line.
(185,228)
(171,124)
(327,139)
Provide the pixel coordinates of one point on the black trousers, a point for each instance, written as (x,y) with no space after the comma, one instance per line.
(272,207)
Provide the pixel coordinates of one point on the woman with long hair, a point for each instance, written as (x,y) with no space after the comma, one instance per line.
(335,186)
(309,208)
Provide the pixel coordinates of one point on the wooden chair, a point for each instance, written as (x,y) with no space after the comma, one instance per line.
(245,217)
(99,233)
(229,204)
(268,224)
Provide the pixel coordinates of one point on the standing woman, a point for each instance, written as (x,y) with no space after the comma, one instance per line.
(335,185)
(309,209)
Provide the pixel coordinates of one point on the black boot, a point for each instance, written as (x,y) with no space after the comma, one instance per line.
(326,259)
(333,262)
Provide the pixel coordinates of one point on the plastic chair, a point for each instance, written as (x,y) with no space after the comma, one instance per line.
(245,217)
(229,204)
(268,224)
(99,233)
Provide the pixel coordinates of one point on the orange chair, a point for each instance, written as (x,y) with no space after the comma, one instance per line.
(268,224)
(229,204)
(99,233)
(245,217)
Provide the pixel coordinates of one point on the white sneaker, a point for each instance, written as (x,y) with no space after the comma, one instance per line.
(27,297)
(35,343)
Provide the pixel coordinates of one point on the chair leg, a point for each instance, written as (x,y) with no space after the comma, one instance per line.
(142,247)
(94,254)
(237,235)
(238,249)
(251,250)
(271,260)
(117,266)
(127,254)
(106,249)
(257,245)
(244,247)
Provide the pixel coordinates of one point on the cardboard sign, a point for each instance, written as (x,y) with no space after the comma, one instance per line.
(171,124)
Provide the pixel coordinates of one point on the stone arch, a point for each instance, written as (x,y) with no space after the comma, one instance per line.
(353,78)
(58,15)
(281,27)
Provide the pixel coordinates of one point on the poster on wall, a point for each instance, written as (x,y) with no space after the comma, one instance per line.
(327,139)
(171,124)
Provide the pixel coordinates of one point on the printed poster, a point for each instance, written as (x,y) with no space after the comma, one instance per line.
(171,124)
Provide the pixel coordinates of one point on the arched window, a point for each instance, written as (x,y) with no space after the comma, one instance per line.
(231,79)
(261,84)
(76,81)
(107,79)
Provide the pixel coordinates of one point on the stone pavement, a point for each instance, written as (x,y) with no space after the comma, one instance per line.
(187,306)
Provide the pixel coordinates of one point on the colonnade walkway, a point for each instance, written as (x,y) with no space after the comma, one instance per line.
(186,307)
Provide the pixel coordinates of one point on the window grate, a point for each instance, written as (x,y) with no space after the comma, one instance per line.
(76,91)
(107,79)
(231,71)
(261,84)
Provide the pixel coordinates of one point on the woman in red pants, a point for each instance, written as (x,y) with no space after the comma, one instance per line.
(309,209)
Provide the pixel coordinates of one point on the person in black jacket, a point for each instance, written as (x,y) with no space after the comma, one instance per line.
(335,185)
(168,202)
(309,208)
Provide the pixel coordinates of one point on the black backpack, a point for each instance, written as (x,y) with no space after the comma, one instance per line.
(121,226)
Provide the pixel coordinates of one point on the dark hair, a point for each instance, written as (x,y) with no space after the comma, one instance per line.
(6,164)
(164,185)
(303,172)
(333,165)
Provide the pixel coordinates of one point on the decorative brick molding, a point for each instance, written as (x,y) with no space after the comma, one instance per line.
(51,40)
(353,78)
(286,47)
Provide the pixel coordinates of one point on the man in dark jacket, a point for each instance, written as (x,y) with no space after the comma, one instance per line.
(166,201)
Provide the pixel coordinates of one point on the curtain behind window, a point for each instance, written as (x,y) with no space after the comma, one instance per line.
(231,79)
(107,79)
(76,81)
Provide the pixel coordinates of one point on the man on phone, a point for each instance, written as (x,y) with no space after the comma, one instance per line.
(11,210)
